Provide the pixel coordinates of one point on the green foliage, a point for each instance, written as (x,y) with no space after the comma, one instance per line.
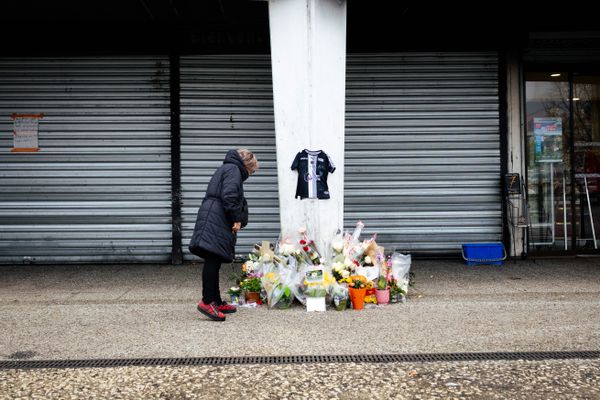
(251,284)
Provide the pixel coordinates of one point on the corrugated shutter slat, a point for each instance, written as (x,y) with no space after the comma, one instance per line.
(99,189)
(227,103)
(423,149)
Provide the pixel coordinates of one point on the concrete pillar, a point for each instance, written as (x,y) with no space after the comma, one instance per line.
(308,56)
(516,145)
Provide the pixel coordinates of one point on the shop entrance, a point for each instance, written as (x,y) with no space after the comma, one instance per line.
(563,161)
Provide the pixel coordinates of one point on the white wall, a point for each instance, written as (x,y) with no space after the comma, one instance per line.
(308,52)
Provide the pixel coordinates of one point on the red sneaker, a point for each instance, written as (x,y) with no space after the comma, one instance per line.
(210,310)
(226,308)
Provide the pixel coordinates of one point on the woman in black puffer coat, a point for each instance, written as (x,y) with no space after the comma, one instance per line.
(224,211)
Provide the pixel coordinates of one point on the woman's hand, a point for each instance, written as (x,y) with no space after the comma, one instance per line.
(236,227)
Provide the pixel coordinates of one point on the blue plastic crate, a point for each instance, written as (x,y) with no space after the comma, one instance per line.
(483,253)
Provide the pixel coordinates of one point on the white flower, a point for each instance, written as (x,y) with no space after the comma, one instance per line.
(249,265)
(287,249)
(338,245)
(266,257)
(347,262)
(338,266)
(368,260)
(345,273)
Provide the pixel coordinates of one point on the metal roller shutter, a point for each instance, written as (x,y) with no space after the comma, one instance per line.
(423,149)
(99,189)
(227,103)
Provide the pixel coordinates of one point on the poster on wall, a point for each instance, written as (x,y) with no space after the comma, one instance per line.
(548,139)
(25,132)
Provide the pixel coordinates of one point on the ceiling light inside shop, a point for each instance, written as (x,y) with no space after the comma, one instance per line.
(576,99)
(554,75)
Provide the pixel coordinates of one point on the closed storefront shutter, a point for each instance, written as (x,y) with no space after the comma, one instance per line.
(99,188)
(227,103)
(423,149)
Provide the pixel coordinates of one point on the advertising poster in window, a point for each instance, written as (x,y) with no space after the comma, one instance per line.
(548,139)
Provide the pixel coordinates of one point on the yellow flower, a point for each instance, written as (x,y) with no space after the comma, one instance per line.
(370,285)
(370,299)
(270,275)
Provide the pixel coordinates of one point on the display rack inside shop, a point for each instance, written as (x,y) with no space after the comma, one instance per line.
(585,177)
(551,224)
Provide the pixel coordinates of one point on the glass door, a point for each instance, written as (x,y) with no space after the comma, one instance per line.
(548,172)
(563,161)
(586,130)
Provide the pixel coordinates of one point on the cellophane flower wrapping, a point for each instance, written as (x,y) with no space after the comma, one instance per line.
(277,281)
(400,270)
(339,295)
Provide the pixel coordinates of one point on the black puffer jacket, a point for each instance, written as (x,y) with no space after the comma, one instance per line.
(223,204)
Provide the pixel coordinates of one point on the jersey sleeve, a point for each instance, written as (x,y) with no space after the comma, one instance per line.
(330,164)
(295,162)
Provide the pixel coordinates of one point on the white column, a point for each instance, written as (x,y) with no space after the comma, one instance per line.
(516,146)
(308,56)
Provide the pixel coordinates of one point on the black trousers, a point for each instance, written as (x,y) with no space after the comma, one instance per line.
(210,279)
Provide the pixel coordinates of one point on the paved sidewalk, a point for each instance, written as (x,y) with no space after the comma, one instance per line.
(552,379)
(125,311)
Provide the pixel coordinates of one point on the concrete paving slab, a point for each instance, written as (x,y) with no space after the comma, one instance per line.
(149,311)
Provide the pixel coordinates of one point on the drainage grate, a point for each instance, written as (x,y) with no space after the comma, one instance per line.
(308,359)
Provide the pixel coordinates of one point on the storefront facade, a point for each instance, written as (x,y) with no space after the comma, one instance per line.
(562,130)
(128,144)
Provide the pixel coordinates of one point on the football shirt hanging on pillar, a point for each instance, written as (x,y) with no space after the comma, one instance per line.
(313,168)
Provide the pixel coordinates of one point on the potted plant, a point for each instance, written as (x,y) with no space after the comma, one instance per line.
(382,293)
(358,289)
(234,294)
(251,286)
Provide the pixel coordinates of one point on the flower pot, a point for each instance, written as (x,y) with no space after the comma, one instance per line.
(357,296)
(383,296)
(252,297)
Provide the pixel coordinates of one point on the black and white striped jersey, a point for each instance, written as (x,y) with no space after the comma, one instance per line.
(313,168)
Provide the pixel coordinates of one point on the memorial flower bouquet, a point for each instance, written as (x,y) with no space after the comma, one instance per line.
(318,288)
(310,249)
(340,270)
(357,289)
(340,295)
(290,253)
(234,294)
(397,294)
(276,283)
